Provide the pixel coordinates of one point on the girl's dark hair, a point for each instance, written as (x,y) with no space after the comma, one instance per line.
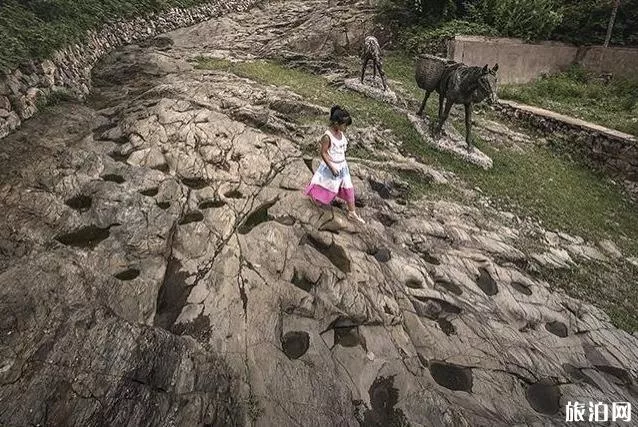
(339,116)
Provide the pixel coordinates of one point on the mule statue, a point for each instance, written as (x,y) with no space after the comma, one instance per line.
(456,83)
(372,52)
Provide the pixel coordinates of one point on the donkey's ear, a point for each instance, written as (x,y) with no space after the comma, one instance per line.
(485,69)
(495,68)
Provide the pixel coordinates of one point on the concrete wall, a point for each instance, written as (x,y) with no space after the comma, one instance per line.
(620,61)
(521,62)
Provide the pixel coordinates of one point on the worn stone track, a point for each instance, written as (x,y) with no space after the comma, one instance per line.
(159,265)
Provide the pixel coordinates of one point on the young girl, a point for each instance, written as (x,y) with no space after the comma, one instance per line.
(332,178)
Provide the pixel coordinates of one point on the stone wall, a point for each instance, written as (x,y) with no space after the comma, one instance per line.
(521,62)
(614,151)
(24,89)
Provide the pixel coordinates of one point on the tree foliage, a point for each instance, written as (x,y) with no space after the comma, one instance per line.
(578,21)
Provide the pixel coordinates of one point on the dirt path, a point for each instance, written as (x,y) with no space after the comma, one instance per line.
(159,264)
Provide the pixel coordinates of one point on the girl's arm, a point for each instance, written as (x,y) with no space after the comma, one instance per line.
(325,145)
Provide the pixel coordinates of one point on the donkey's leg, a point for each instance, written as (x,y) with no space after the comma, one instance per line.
(441,101)
(363,68)
(382,74)
(443,118)
(427,95)
(468,125)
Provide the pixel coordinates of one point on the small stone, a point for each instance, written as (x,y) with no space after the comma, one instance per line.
(370,356)
(611,248)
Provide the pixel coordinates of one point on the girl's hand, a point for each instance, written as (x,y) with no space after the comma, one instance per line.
(334,171)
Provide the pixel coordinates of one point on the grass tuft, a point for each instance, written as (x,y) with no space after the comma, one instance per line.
(580,94)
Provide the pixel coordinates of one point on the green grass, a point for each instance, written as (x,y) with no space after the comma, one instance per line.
(34,29)
(583,95)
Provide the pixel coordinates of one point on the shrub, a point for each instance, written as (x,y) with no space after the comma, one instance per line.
(527,19)
(426,39)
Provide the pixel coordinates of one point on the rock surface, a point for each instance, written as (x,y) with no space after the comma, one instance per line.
(159,265)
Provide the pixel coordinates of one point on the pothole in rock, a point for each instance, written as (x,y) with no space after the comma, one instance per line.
(385,219)
(432,308)
(285,220)
(487,283)
(295,344)
(308,163)
(453,377)
(389,190)
(118,179)
(163,205)
(620,376)
(382,255)
(383,400)
(86,237)
(576,374)
(359,203)
(414,283)
(523,289)
(195,183)
(79,203)
(335,253)
(151,192)
(430,259)
(301,281)
(446,326)
(128,274)
(449,286)
(172,294)
(199,329)
(233,194)
(211,204)
(557,328)
(348,336)
(256,217)
(544,397)
(191,217)
(162,167)
(119,157)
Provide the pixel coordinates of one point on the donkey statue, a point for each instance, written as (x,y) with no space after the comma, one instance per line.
(456,83)
(372,51)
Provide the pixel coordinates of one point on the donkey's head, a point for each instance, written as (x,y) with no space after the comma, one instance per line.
(487,84)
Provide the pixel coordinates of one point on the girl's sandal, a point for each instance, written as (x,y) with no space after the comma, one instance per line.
(354,216)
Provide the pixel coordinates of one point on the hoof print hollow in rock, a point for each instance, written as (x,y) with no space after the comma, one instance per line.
(544,397)
(295,344)
(449,286)
(335,253)
(256,217)
(80,202)
(191,217)
(453,377)
(86,237)
(128,274)
(557,328)
(211,204)
(118,179)
(487,283)
(233,194)
(151,192)
(523,289)
(195,183)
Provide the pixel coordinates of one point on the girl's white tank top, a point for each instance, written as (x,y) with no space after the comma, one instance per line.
(337,150)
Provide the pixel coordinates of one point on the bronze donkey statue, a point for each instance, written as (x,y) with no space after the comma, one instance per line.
(456,83)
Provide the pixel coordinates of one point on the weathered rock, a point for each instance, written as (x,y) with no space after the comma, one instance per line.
(209,290)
